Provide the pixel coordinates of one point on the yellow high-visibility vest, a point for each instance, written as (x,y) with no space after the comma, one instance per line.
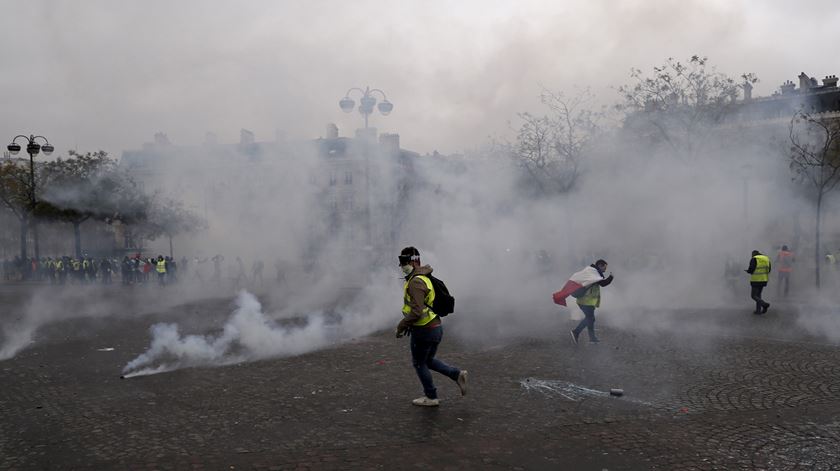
(591,297)
(161,266)
(762,269)
(428,314)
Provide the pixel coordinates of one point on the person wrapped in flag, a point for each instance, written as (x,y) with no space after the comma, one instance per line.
(585,285)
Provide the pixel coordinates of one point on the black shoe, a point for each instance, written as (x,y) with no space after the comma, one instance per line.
(765,307)
(756,312)
(574,336)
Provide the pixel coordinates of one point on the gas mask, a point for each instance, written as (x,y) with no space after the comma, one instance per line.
(407,269)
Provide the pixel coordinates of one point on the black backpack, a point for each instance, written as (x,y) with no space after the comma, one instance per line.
(444,303)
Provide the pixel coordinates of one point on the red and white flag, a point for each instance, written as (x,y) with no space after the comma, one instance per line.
(581,279)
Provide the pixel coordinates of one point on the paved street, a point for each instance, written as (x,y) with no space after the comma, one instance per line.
(716,389)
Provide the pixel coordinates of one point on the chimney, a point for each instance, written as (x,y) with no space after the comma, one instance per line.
(246,137)
(787,87)
(332,131)
(390,143)
(747,91)
(830,81)
(804,82)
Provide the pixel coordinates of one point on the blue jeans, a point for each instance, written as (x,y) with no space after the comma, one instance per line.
(424,344)
(587,323)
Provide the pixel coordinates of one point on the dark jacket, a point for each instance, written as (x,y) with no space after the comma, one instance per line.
(606,281)
(751,270)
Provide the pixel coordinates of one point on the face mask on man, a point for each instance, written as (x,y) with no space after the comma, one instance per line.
(407,269)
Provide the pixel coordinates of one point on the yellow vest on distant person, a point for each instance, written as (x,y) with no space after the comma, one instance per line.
(762,269)
(591,297)
(161,266)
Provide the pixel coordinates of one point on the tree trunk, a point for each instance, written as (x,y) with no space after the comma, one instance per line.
(817,241)
(24,231)
(77,235)
(170,248)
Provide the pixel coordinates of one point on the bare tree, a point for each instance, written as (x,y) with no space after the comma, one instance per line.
(679,104)
(550,148)
(815,159)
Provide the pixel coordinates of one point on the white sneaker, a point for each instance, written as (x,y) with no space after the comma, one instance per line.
(426,402)
(462,382)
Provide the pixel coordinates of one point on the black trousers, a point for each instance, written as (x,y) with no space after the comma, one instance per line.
(755,294)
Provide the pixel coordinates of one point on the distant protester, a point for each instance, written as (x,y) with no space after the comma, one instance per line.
(585,285)
(784,260)
(759,271)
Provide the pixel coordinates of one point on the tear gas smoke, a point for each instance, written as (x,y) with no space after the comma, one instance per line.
(665,226)
(250,334)
(55,304)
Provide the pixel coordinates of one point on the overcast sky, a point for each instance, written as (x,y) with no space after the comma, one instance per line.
(109,74)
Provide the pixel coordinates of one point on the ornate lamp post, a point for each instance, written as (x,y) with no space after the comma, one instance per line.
(366,103)
(32,148)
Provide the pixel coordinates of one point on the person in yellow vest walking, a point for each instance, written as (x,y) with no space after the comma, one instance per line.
(759,271)
(424,327)
(784,260)
(589,298)
(160,266)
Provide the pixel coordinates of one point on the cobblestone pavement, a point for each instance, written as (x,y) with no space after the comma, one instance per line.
(725,390)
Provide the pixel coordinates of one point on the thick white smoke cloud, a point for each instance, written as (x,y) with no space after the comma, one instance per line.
(52,304)
(252,334)
(247,335)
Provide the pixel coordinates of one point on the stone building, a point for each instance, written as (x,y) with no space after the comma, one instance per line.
(810,97)
(352,189)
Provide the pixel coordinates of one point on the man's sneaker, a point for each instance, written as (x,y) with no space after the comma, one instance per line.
(574,336)
(462,382)
(425,402)
(765,307)
(594,341)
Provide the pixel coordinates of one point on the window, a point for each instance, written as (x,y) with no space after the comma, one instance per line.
(348,178)
(333,179)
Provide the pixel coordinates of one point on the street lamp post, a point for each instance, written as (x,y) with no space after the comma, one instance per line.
(32,148)
(366,103)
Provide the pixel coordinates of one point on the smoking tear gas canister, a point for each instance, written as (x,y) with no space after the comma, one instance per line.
(616,392)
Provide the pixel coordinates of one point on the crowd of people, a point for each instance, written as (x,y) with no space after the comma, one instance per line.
(130,270)
(89,270)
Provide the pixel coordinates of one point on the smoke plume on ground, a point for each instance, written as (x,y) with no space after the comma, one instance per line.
(252,334)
